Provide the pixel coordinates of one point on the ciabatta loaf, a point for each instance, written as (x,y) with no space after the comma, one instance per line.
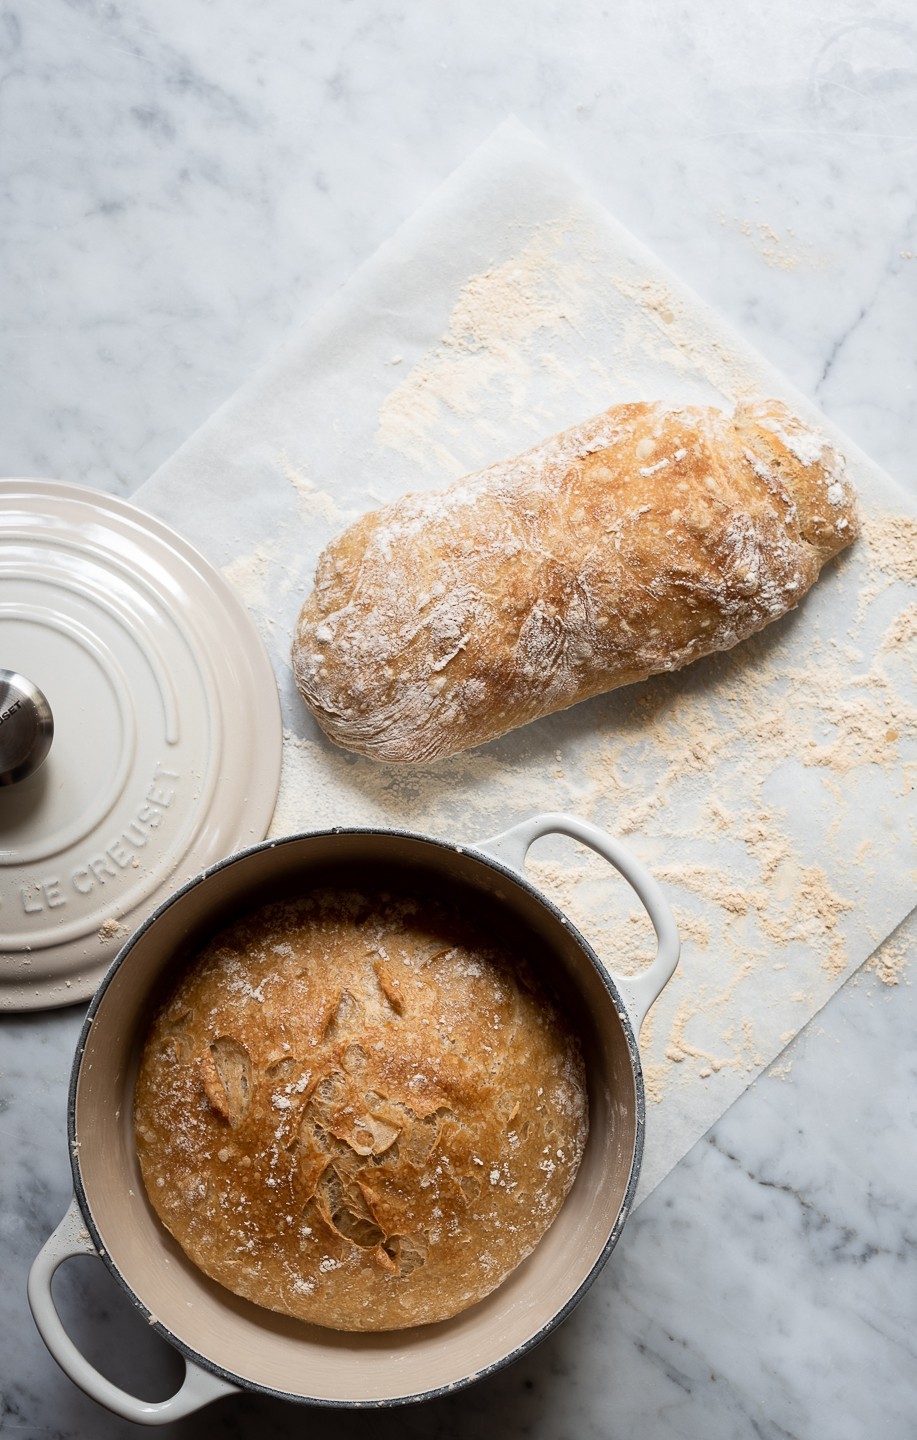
(362,1110)
(628,545)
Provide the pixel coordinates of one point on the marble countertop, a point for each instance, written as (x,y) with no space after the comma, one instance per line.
(182,182)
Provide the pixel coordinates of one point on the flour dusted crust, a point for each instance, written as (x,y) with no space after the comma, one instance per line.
(359,1110)
(631,544)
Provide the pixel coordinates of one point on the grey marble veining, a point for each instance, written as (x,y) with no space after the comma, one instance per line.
(178,187)
(179,183)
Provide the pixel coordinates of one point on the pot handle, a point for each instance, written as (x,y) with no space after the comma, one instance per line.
(639,992)
(198,1388)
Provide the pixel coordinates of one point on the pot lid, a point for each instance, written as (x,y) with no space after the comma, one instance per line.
(143,734)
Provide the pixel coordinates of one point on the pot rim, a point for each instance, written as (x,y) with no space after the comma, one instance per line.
(230,1376)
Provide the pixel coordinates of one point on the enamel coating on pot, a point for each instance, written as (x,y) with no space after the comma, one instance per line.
(241,1345)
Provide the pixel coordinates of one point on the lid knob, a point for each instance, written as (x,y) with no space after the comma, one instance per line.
(26,727)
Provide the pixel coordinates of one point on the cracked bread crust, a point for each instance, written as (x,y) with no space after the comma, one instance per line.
(360,1111)
(629,545)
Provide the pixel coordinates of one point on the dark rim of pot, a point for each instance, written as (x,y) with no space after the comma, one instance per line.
(230,1376)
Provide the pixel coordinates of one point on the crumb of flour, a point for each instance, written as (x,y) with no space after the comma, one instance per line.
(248,575)
(111,929)
(314,502)
(780,251)
(890,962)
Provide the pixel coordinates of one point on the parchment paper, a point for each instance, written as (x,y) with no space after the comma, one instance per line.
(769,789)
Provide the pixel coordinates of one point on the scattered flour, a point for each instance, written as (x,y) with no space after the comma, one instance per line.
(746,782)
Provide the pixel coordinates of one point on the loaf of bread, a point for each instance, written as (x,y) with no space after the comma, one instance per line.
(628,545)
(359,1110)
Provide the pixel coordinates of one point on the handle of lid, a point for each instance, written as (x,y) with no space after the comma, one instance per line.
(639,992)
(26,727)
(199,1387)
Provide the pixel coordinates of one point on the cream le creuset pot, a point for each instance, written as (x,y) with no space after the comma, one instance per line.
(229,1344)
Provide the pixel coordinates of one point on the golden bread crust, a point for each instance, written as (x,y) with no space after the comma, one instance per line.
(360,1112)
(631,544)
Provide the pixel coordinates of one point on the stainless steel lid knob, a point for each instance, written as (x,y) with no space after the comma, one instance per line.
(26,727)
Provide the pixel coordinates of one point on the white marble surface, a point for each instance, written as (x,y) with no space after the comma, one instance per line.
(181,182)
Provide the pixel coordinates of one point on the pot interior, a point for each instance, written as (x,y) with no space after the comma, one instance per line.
(272,1351)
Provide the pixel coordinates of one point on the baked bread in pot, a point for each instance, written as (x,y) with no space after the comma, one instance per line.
(360,1108)
(246,1344)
